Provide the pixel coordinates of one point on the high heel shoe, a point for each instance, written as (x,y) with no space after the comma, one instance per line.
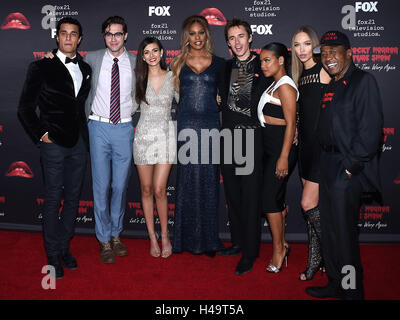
(154,248)
(288,248)
(309,273)
(274,269)
(314,261)
(166,252)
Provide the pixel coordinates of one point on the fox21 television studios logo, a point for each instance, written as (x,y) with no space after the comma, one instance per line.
(360,19)
(52,14)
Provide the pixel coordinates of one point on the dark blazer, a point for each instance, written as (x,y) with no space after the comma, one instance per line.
(357,123)
(49,86)
(260,83)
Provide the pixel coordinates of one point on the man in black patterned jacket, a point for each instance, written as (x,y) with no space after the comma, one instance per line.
(242,84)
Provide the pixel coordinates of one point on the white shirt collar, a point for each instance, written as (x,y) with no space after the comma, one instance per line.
(121,56)
(62,56)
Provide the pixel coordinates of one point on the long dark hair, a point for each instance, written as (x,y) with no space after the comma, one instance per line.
(279,50)
(142,69)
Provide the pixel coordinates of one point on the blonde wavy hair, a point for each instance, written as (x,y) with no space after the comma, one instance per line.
(297,65)
(178,62)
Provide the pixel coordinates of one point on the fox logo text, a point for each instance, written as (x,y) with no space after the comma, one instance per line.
(262,29)
(159,11)
(366,6)
(349,20)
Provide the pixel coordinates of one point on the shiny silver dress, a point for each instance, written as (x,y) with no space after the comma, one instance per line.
(155,136)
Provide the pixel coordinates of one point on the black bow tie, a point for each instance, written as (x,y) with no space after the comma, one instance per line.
(74,60)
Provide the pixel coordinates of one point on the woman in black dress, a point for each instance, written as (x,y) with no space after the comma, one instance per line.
(311,79)
(277,116)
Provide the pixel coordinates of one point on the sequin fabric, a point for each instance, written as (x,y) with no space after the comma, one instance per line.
(241,83)
(197,188)
(315,261)
(155,135)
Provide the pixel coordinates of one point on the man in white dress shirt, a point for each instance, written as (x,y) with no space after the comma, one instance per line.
(59,87)
(109,109)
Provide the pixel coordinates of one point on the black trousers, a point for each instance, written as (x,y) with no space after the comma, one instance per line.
(339,203)
(63,172)
(243,196)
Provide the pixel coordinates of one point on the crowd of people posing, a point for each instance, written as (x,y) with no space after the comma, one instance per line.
(275,96)
(253,92)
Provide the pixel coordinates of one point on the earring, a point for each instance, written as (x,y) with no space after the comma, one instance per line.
(187,43)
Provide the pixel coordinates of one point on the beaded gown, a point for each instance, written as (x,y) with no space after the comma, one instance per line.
(155,137)
(196,226)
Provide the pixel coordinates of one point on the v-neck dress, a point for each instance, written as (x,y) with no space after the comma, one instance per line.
(155,137)
(196,227)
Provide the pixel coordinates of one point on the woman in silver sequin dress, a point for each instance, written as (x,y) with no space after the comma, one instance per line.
(154,147)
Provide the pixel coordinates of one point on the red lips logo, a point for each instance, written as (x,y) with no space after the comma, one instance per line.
(397,180)
(19,169)
(214,16)
(15,20)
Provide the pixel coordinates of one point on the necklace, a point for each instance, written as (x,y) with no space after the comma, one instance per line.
(247,60)
(197,56)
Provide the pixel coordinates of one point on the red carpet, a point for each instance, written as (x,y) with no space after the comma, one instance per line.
(182,276)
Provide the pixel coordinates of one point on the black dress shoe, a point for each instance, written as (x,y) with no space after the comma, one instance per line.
(68,260)
(210,254)
(56,263)
(230,251)
(245,265)
(352,294)
(328,291)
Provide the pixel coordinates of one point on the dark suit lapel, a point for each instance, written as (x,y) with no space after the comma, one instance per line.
(85,76)
(228,74)
(63,74)
(227,82)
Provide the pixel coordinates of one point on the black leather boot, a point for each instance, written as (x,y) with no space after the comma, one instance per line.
(315,261)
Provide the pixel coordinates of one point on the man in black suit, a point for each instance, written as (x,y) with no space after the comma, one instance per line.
(240,92)
(59,87)
(349,131)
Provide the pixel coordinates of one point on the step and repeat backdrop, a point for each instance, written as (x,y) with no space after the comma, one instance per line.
(27,31)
